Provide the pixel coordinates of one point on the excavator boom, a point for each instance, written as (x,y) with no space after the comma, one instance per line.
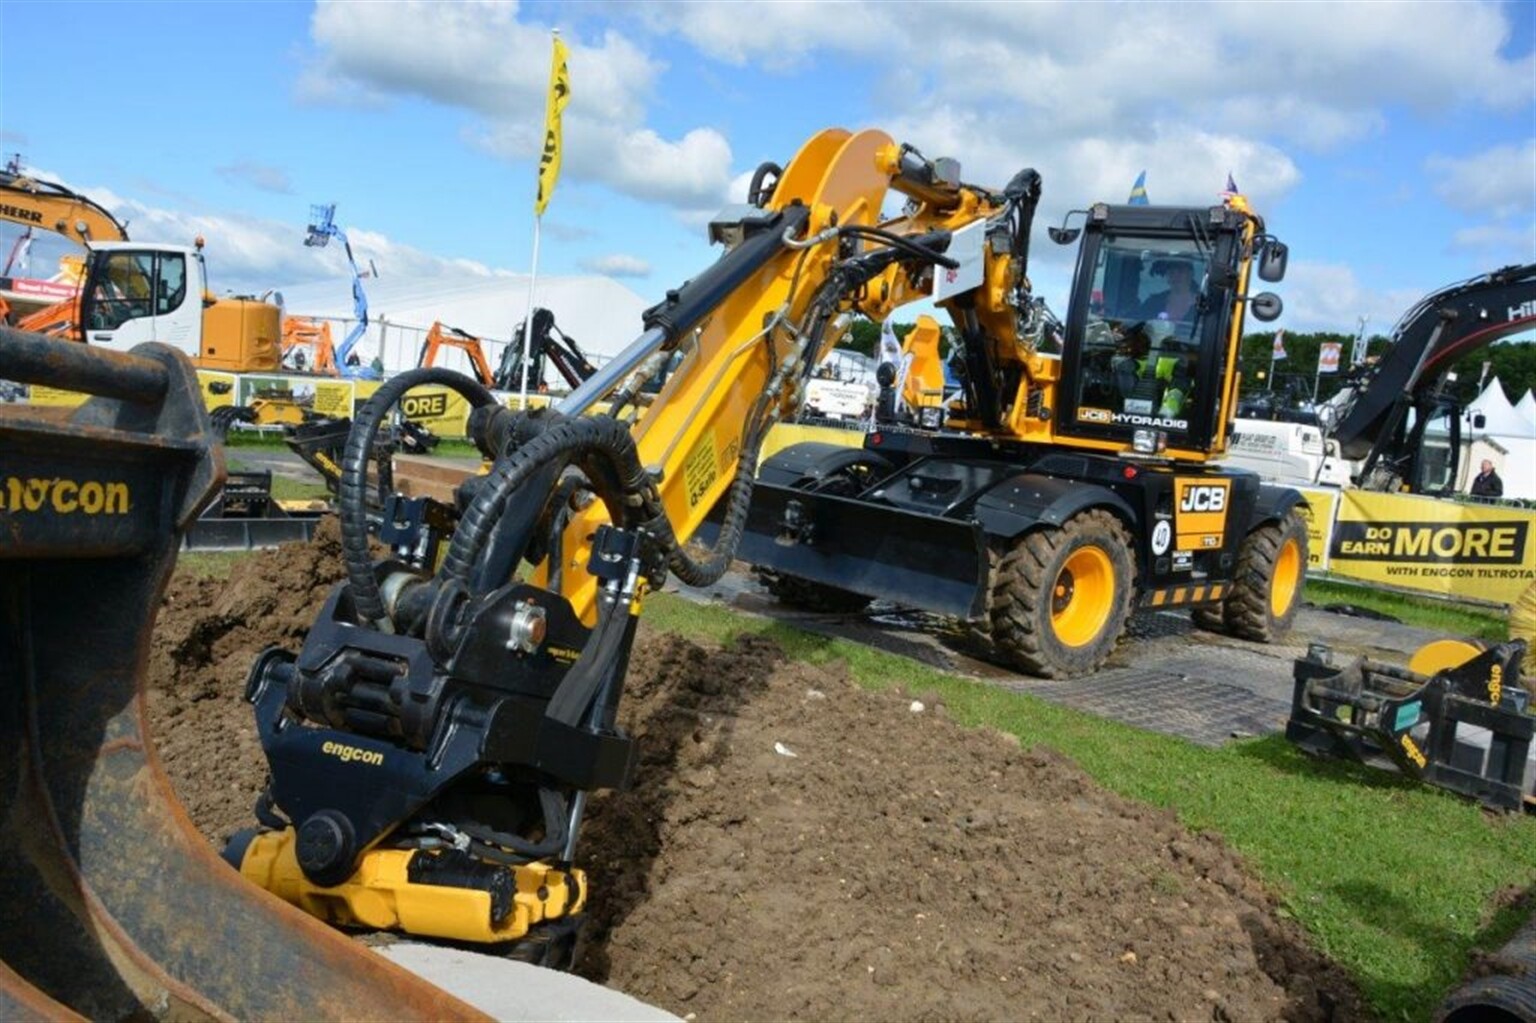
(46,206)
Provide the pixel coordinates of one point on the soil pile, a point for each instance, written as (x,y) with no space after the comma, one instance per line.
(797,847)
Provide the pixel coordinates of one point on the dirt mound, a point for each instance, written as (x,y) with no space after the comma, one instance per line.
(797,847)
(207,635)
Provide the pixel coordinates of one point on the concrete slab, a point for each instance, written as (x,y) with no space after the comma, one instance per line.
(517,992)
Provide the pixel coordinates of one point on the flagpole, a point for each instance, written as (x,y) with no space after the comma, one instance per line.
(538,218)
(533,276)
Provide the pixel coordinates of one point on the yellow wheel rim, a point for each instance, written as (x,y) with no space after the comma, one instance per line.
(1082,596)
(1282,589)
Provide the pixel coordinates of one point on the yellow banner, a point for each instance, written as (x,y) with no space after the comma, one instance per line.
(1424,543)
(549,159)
(1318,515)
(219,389)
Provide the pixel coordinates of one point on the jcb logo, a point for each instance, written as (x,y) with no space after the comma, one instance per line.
(425,406)
(1095,415)
(1204,499)
(1200,512)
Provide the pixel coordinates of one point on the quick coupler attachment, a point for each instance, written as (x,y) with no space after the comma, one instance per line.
(1467,728)
(443,893)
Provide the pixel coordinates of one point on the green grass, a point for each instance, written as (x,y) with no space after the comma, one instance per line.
(1424,612)
(1394,880)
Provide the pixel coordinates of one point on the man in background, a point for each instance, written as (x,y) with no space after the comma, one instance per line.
(1487,483)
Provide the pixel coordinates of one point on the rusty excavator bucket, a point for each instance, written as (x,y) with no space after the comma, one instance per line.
(111,905)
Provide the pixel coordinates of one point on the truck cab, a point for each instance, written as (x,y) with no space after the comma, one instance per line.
(136,293)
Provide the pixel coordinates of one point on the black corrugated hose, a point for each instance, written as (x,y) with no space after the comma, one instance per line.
(351,499)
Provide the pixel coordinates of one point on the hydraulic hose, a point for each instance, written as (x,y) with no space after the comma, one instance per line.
(351,497)
(604,450)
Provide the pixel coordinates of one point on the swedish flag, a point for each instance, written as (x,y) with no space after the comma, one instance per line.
(1139,191)
(549,159)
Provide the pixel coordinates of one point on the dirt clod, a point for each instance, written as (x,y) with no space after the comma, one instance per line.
(897,866)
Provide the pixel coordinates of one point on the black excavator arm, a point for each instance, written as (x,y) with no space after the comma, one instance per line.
(1441,328)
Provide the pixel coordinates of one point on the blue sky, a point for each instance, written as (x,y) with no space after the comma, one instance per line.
(1392,145)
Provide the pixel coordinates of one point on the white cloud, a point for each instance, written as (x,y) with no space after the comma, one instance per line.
(1499,242)
(262,176)
(479,60)
(1320,75)
(617,265)
(251,254)
(1497,183)
(1328,296)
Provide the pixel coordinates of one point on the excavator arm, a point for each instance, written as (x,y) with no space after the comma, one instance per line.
(1441,328)
(46,206)
(432,743)
(546,344)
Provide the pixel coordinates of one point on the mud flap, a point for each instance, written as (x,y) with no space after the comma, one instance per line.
(111,905)
(917,560)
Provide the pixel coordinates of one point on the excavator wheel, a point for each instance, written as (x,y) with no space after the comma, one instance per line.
(819,597)
(1060,597)
(1266,588)
(1211,619)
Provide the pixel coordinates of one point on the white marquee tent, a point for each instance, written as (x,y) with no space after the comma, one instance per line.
(1507,438)
(602,315)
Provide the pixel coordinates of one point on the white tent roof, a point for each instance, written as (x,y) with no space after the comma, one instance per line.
(1501,418)
(602,315)
(1526,406)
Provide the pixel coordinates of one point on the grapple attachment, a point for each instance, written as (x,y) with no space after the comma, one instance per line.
(111,905)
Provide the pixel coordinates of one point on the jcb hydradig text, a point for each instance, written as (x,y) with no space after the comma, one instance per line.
(1060,489)
(111,906)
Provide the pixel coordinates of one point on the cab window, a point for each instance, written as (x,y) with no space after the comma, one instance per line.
(123,290)
(1141,337)
(171,288)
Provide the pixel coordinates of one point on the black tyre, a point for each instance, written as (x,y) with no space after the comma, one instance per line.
(1266,588)
(1211,619)
(1060,598)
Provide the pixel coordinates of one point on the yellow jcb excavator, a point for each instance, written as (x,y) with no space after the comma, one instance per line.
(432,743)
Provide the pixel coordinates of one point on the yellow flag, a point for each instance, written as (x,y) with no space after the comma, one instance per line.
(549,159)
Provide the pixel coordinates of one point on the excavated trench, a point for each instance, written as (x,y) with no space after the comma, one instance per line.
(797,847)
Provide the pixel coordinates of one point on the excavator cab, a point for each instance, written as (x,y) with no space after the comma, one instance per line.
(1150,340)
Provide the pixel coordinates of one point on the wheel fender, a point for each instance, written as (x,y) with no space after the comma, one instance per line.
(812,461)
(1029,500)
(1272,504)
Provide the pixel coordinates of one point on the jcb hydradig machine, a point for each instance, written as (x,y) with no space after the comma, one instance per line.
(432,743)
(1060,491)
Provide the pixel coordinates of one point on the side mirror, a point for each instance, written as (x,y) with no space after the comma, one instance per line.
(1266,306)
(1479,421)
(1272,261)
(1063,235)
